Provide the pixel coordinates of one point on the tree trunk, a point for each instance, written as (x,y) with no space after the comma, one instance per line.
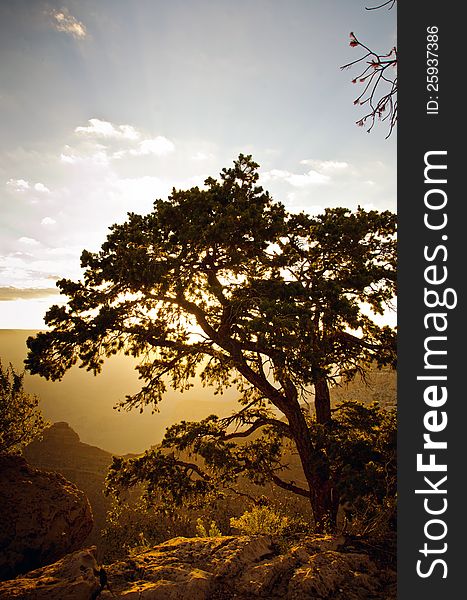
(322,401)
(315,468)
(314,462)
(324,497)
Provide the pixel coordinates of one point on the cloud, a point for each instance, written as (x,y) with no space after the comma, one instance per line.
(65,22)
(106,129)
(91,153)
(312,177)
(118,141)
(27,241)
(10,293)
(159,146)
(48,221)
(38,266)
(326,166)
(40,187)
(19,185)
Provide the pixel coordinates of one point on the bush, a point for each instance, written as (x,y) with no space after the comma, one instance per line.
(262,520)
(21,420)
(203,531)
(131,526)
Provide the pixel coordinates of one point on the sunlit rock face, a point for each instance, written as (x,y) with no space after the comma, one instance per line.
(249,567)
(216,568)
(43,517)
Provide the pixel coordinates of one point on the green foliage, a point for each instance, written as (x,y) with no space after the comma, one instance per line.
(202,530)
(230,261)
(223,284)
(20,418)
(357,451)
(263,520)
(360,446)
(133,526)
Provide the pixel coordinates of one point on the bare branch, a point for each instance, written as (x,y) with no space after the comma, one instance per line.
(379,74)
(388,2)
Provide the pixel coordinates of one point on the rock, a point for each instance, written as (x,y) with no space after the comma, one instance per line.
(221,568)
(74,577)
(248,567)
(47,517)
(184,568)
(60,449)
(335,575)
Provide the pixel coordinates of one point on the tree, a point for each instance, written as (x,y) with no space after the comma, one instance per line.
(379,79)
(224,284)
(20,418)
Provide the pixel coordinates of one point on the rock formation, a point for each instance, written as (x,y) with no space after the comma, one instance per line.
(248,567)
(61,450)
(221,568)
(43,517)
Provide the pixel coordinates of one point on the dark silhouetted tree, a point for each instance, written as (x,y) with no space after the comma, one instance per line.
(223,284)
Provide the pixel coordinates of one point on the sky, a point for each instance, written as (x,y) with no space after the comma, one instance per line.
(106,105)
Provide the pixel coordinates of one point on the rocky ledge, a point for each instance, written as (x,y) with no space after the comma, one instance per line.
(221,568)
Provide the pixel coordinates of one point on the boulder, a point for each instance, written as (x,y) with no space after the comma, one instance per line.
(74,577)
(47,517)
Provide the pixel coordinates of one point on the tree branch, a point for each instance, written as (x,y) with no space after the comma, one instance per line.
(289,486)
(284,428)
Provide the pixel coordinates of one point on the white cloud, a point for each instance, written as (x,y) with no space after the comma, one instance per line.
(94,154)
(27,241)
(40,187)
(48,221)
(312,177)
(106,129)
(68,158)
(121,141)
(19,185)
(159,146)
(65,22)
(326,166)
(39,267)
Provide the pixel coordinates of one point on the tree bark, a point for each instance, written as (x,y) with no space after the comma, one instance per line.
(315,468)
(324,500)
(322,401)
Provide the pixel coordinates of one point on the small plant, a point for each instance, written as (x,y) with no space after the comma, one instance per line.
(203,531)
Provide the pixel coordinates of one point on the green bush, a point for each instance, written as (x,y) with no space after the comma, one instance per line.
(262,520)
(21,420)
(203,531)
